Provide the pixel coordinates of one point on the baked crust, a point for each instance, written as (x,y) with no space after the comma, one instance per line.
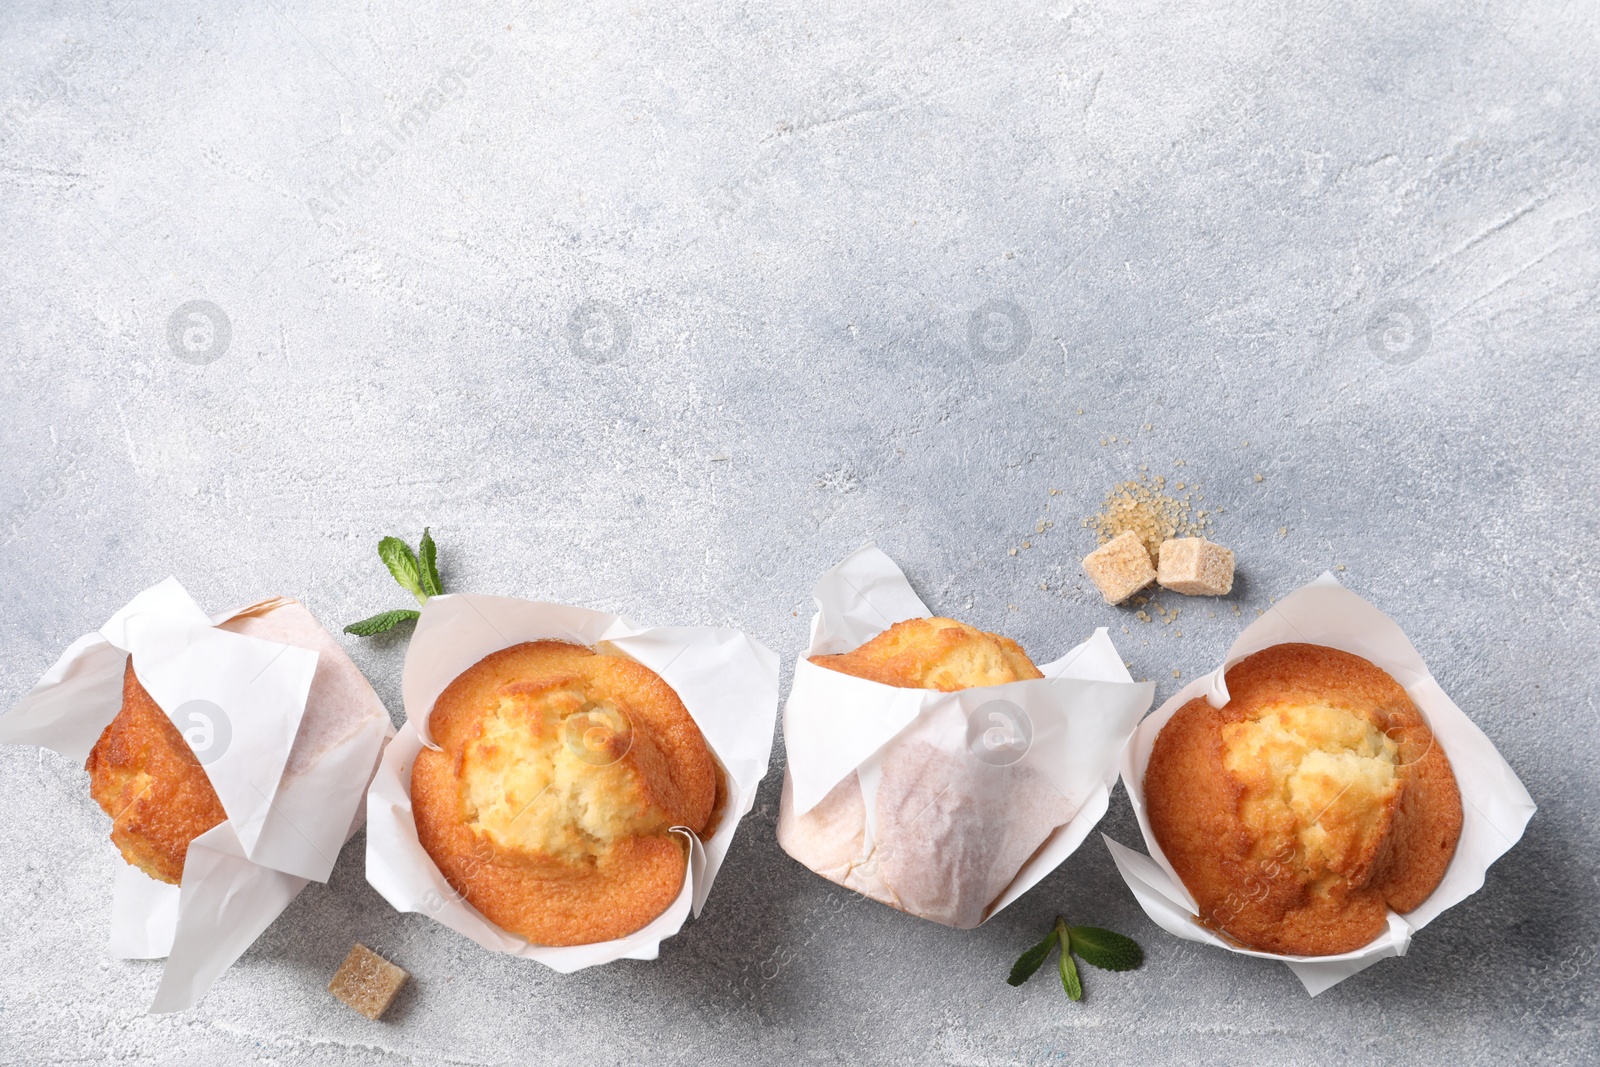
(144,775)
(936,653)
(1302,811)
(550,801)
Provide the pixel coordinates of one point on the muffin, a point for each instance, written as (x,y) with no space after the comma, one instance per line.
(550,802)
(940,654)
(144,775)
(950,831)
(1306,808)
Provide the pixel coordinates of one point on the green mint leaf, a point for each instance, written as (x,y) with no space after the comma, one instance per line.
(1106,949)
(428,554)
(381,623)
(396,555)
(1069,970)
(1032,960)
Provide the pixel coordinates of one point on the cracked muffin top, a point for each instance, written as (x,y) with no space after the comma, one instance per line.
(551,801)
(1306,808)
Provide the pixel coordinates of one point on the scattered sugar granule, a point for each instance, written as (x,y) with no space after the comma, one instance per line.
(1143,507)
(1258,477)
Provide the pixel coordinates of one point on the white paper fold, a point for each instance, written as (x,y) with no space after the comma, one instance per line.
(727,681)
(288,732)
(1069,727)
(1495,805)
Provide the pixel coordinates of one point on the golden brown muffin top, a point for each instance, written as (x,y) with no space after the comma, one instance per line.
(560,774)
(144,775)
(936,653)
(1309,805)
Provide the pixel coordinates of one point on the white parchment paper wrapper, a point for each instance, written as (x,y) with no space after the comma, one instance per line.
(1495,806)
(727,681)
(946,805)
(288,731)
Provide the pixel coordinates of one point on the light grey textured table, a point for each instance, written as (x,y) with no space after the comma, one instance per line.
(664,309)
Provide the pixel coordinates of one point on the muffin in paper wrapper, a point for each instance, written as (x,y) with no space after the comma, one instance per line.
(727,681)
(288,732)
(945,805)
(1495,805)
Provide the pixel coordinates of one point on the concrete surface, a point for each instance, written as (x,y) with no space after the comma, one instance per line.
(665,308)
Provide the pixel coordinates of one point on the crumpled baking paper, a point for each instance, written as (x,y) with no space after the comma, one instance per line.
(1495,805)
(1032,761)
(288,731)
(726,680)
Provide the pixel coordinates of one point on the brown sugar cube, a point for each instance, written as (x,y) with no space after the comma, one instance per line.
(367,982)
(1195,567)
(1120,567)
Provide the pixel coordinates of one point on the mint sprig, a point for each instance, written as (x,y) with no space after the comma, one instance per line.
(1098,947)
(402,563)
(382,622)
(416,572)
(1032,960)
(429,563)
(1069,970)
(1106,949)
